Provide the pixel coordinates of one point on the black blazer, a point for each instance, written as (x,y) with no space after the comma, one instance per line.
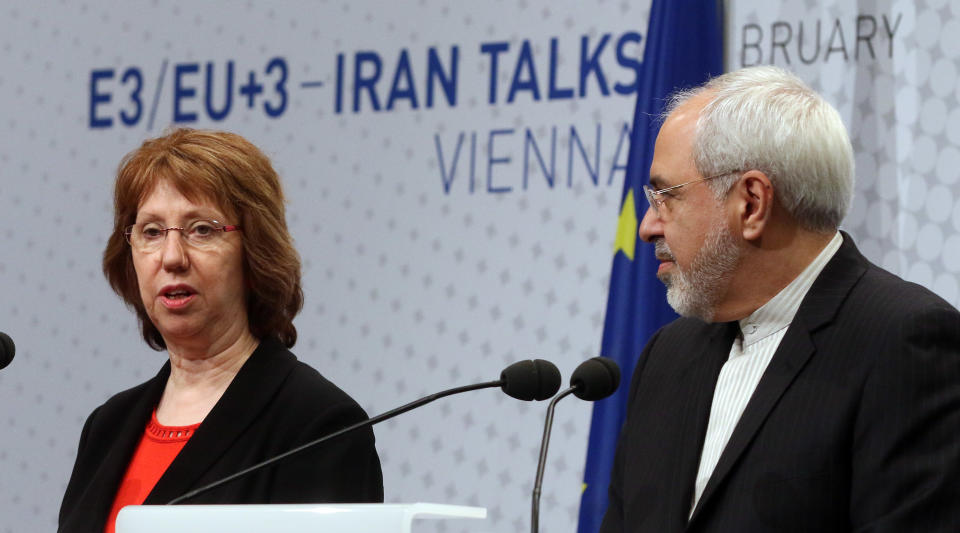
(854,426)
(274,403)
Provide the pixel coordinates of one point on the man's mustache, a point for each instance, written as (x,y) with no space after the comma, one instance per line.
(662,250)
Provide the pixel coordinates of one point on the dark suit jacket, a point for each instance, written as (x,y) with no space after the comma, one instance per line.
(854,426)
(274,403)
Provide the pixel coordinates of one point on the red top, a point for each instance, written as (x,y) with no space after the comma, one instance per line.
(157,449)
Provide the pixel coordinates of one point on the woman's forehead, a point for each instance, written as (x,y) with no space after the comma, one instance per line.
(165,195)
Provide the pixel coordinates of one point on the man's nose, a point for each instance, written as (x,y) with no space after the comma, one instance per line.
(651,227)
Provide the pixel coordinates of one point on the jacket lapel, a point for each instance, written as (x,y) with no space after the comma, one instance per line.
(246,396)
(819,307)
(699,378)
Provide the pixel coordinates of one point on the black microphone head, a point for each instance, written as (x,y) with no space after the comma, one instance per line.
(7,349)
(595,379)
(531,380)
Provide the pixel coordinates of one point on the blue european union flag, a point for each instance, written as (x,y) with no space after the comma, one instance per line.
(684,48)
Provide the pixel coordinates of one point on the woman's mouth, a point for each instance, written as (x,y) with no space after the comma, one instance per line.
(177,297)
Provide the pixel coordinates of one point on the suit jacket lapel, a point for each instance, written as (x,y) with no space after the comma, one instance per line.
(249,392)
(819,307)
(794,351)
(700,376)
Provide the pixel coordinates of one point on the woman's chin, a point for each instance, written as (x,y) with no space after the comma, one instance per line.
(178,331)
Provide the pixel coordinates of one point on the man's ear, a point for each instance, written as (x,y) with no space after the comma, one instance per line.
(754,193)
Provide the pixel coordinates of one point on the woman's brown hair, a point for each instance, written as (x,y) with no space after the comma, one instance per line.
(234,174)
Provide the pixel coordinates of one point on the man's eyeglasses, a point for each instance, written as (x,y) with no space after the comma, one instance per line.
(200,234)
(658,200)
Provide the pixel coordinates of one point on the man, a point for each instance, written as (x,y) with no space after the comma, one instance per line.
(804,389)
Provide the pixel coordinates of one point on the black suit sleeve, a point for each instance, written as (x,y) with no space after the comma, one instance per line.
(906,442)
(613,518)
(80,475)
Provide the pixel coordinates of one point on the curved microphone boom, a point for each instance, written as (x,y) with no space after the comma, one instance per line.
(8,349)
(524,380)
(593,380)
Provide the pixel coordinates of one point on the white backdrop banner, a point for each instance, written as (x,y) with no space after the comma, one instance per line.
(454,172)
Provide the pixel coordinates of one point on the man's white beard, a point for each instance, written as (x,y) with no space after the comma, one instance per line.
(696,292)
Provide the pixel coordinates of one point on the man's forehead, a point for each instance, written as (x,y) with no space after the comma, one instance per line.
(672,158)
(688,112)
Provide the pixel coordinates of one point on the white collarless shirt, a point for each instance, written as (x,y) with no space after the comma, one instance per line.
(760,335)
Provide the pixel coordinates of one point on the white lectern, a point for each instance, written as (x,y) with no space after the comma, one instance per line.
(292,518)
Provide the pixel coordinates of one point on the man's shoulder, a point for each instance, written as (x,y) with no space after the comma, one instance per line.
(853,286)
(881,292)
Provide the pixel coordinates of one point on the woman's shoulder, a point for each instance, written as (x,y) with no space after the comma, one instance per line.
(308,384)
(125,411)
(119,406)
(304,388)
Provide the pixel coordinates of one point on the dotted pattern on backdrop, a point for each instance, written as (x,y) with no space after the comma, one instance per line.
(408,290)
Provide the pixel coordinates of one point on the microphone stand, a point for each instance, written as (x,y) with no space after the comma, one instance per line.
(542,463)
(370,421)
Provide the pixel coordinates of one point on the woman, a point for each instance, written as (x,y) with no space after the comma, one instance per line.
(200,250)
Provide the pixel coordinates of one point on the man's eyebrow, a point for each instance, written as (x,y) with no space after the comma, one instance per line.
(656,181)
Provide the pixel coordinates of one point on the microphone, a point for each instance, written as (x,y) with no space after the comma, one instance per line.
(524,380)
(7,350)
(530,380)
(593,380)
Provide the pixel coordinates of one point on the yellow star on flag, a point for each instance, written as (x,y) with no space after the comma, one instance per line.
(626,240)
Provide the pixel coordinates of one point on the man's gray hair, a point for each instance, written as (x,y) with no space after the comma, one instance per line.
(767,119)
